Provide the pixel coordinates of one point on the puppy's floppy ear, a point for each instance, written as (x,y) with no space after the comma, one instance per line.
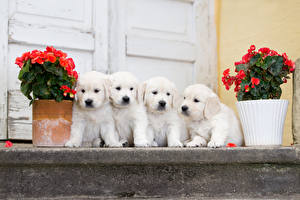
(175,96)
(76,89)
(107,85)
(141,92)
(212,107)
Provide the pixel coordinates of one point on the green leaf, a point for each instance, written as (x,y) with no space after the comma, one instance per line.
(26,89)
(53,68)
(268,77)
(241,67)
(265,85)
(268,61)
(59,98)
(254,59)
(29,77)
(276,67)
(240,95)
(24,69)
(254,91)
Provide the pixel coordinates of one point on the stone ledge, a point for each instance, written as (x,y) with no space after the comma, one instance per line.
(145,173)
(28,155)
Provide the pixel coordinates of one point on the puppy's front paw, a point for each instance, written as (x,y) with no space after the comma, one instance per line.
(192,144)
(175,143)
(154,144)
(97,142)
(115,145)
(198,143)
(72,143)
(141,143)
(124,143)
(215,144)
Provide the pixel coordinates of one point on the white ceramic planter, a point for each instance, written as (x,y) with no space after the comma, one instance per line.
(263,121)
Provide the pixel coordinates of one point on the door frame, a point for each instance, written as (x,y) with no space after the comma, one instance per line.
(3,67)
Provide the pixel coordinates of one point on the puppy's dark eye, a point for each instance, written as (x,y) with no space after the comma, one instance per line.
(118,88)
(83,91)
(196,100)
(183,97)
(154,92)
(131,88)
(168,94)
(96,90)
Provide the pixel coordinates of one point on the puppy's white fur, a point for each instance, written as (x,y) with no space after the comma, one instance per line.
(165,127)
(210,123)
(130,117)
(93,122)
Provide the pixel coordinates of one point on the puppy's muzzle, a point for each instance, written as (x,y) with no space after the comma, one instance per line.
(125,100)
(184,109)
(161,105)
(89,103)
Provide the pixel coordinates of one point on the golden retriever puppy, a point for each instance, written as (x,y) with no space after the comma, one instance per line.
(165,127)
(128,110)
(210,123)
(92,119)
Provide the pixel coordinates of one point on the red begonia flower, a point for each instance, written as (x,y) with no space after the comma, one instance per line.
(255,81)
(8,144)
(51,58)
(241,74)
(247,88)
(226,72)
(231,145)
(63,62)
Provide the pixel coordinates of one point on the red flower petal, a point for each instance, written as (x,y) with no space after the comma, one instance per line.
(8,144)
(231,145)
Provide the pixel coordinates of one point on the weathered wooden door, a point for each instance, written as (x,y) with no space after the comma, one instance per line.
(172,38)
(78,27)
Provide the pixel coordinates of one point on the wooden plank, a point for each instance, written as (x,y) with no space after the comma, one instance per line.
(206,63)
(60,38)
(100,19)
(19,116)
(117,35)
(53,13)
(160,48)
(3,67)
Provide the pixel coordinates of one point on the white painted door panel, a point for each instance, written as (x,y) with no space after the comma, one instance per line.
(162,38)
(68,25)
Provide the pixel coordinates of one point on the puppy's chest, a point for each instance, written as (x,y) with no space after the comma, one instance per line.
(203,127)
(124,122)
(96,117)
(158,123)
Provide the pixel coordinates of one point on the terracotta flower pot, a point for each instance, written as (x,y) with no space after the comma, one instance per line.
(51,123)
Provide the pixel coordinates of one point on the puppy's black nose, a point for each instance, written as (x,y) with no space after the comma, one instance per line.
(184,108)
(88,102)
(162,103)
(126,99)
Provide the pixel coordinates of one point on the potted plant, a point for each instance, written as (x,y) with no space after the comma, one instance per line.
(47,78)
(257,85)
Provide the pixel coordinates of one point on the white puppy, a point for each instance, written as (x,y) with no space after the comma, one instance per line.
(128,111)
(210,123)
(165,127)
(92,118)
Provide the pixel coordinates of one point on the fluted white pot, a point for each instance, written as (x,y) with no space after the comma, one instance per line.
(263,121)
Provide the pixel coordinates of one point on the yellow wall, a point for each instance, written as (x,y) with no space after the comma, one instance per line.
(265,23)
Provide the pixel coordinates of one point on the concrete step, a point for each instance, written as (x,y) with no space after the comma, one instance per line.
(150,173)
